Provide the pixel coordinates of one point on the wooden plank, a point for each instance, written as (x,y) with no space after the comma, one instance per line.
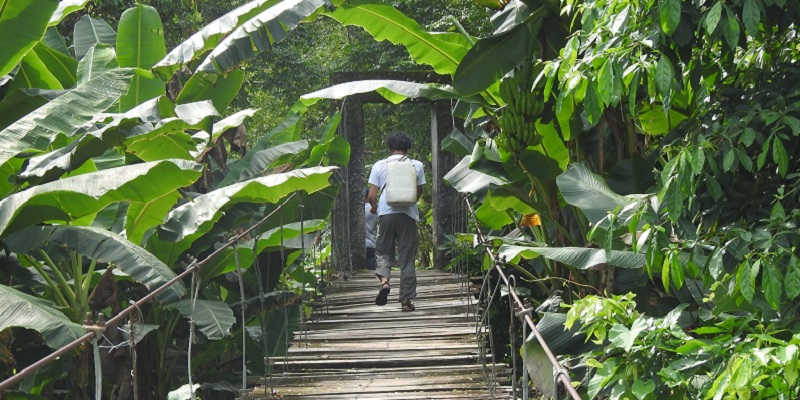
(353,349)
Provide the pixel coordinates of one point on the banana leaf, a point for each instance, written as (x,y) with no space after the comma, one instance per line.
(55,41)
(578,257)
(82,195)
(220,89)
(193,219)
(258,34)
(393,91)
(66,114)
(26,311)
(66,7)
(151,142)
(102,246)
(466,180)
(100,59)
(33,73)
(213,317)
(273,238)
(264,159)
(589,192)
(384,22)
(60,65)
(22,25)
(289,127)
(209,37)
(90,31)
(140,44)
(20,102)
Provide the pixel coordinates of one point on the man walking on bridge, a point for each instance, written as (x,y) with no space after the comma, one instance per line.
(397,225)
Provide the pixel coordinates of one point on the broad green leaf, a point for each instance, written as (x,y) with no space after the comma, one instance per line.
(75,197)
(492,57)
(587,191)
(643,387)
(728,159)
(602,377)
(655,122)
(593,104)
(90,31)
(213,317)
(140,44)
(624,338)
(609,83)
(66,7)
(730,29)
(26,311)
(220,89)
(141,216)
(262,160)
(771,281)
(115,129)
(291,126)
(170,138)
(195,218)
(18,103)
(66,114)
(664,76)
(466,180)
(384,22)
(55,41)
(258,34)
(330,145)
(33,73)
(62,66)
(225,261)
(102,246)
(670,15)
(208,37)
(22,25)
(676,272)
(792,279)
(751,16)
(715,264)
(394,91)
(745,282)
(712,17)
(779,156)
(100,59)
(578,257)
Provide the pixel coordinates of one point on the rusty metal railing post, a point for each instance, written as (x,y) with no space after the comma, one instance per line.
(562,375)
(192,268)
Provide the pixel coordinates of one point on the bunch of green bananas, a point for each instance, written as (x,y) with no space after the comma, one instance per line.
(524,105)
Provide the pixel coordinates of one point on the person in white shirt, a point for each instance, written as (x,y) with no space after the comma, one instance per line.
(397,226)
(370,230)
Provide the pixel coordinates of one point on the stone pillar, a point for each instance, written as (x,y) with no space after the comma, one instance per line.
(349,225)
(444,198)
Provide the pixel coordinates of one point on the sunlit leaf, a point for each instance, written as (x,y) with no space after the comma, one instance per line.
(26,311)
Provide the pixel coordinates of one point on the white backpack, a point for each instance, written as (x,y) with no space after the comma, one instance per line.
(401,183)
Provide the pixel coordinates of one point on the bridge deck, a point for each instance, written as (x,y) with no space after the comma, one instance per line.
(357,350)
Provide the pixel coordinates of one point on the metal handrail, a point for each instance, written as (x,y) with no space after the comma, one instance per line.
(562,375)
(193,267)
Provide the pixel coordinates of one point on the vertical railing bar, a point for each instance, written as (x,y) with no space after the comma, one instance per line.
(561,374)
(190,269)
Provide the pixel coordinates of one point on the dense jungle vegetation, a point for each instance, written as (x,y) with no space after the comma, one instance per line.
(635,161)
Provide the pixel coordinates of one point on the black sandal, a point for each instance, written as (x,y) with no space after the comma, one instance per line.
(407,306)
(383,295)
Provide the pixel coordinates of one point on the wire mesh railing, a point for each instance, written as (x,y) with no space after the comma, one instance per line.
(519,309)
(95,329)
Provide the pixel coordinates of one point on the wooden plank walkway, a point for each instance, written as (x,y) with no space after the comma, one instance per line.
(357,350)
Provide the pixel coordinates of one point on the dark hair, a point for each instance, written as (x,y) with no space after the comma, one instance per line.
(398,141)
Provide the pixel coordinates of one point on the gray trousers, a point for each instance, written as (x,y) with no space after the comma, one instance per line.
(398,230)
